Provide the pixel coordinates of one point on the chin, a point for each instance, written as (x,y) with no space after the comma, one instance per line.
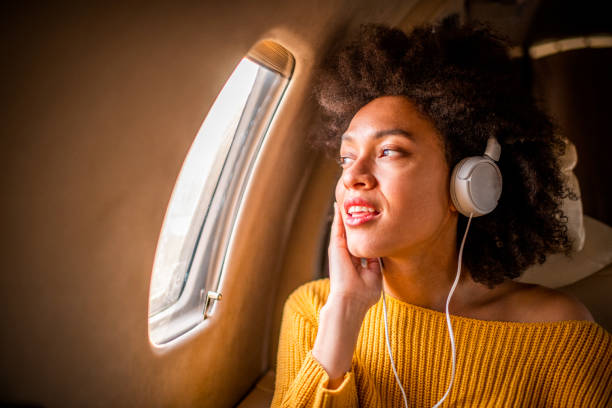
(362,249)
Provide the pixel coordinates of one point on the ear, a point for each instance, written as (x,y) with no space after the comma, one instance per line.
(452,207)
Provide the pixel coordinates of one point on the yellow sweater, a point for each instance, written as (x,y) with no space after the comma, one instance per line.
(499,364)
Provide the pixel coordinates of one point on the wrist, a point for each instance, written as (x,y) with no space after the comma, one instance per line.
(340,321)
(350,305)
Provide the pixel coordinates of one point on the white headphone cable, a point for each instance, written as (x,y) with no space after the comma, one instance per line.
(389,345)
(450,328)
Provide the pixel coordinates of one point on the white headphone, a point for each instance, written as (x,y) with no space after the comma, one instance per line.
(476,182)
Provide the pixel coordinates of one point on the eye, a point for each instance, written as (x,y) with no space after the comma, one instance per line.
(389,152)
(344,161)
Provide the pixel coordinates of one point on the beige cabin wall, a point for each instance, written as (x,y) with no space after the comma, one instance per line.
(101,104)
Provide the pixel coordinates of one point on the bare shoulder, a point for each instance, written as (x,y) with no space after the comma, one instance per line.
(541,304)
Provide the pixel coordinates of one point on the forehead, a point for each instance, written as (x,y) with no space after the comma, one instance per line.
(389,112)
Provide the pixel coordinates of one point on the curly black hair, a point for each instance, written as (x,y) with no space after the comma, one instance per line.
(461,78)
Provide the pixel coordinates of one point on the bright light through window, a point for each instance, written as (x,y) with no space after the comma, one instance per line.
(195,186)
(207,197)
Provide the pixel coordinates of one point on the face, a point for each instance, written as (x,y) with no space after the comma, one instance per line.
(394,189)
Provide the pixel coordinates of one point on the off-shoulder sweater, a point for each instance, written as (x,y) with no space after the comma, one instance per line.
(498,364)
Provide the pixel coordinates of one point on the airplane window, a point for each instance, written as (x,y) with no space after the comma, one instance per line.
(196,186)
(199,218)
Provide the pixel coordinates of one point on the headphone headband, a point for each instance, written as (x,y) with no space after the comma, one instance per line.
(493,150)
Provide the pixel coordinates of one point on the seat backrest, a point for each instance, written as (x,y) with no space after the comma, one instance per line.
(586,274)
(594,291)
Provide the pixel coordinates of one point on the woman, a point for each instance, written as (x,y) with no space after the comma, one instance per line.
(403,111)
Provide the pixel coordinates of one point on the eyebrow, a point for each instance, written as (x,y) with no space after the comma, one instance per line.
(384,132)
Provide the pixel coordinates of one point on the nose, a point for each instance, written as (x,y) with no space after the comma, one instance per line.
(359,176)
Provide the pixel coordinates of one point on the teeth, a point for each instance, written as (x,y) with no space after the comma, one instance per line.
(356,209)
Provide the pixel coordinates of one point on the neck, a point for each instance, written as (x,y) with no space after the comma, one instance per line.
(424,276)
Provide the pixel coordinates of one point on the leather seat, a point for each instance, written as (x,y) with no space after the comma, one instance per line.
(587,273)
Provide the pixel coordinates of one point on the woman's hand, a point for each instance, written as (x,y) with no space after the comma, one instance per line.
(348,277)
(353,290)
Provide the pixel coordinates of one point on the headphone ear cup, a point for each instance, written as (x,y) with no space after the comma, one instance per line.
(476,185)
(454,189)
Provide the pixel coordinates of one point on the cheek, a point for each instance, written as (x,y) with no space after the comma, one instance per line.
(422,196)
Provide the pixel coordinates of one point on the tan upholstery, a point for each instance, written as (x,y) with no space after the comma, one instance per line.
(572,208)
(587,273)
(261,395)
(560,270)
(594,291)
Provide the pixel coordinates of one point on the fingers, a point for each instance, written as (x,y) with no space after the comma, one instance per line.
(340,259)
(372,275)
(348,276)
(370,264)
(338,234)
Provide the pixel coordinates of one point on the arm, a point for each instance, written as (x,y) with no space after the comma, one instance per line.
(314,364)
(354,288)
(340,321)
(300,378)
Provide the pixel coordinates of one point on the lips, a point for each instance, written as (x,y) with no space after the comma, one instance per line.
(359,211)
